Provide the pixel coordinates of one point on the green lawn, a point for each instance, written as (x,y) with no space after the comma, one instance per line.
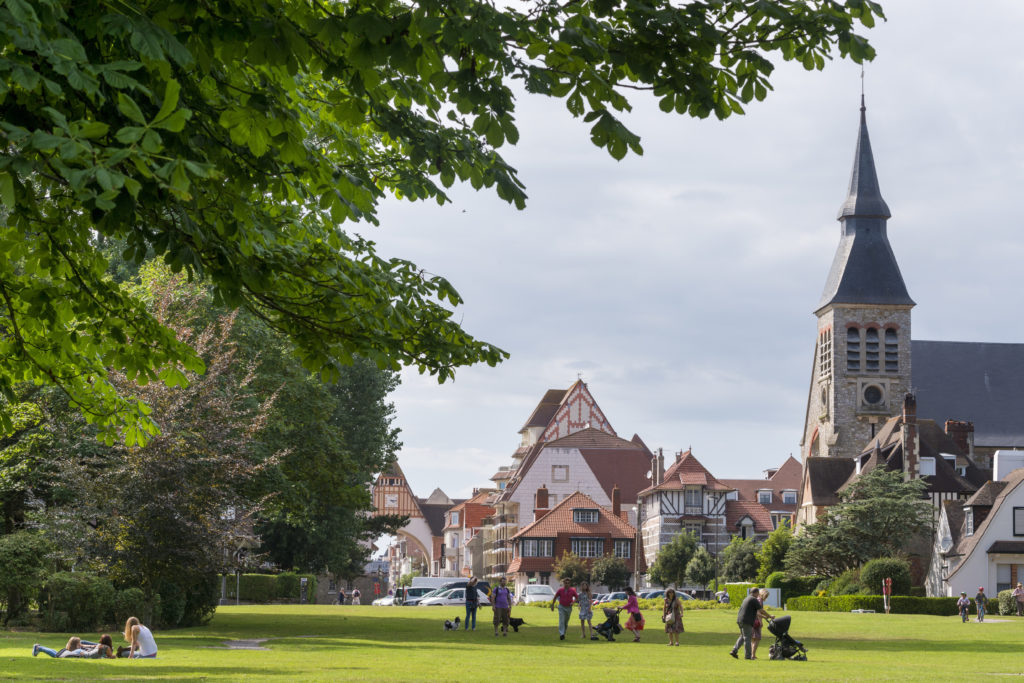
(321,642)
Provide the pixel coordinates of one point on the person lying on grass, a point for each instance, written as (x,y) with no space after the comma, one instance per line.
(77,648)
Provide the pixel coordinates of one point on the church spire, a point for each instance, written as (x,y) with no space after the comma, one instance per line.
(864,270)
(865,197)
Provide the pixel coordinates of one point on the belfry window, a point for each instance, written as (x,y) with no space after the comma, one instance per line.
(871,350)
(892,351)
(825,356)
(853,349)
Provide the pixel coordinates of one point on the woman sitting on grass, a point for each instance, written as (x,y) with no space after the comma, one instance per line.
(143,646)
(77,648)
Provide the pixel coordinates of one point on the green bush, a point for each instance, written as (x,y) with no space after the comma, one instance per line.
(130,602)
(847,583)
(874,572)
(23,564)
(900,604)
(1007,603)
(253,587)
(286,585)
(737,591)
(77,601)
(792,586)
(201,600)
(172,605)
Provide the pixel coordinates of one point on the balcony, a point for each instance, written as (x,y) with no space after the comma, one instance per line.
(693,509)
(498,569)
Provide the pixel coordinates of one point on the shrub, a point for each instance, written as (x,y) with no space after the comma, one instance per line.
(792,586)
(201,601)
(737,591)
(253,587)
(874,572)
(1007,603)
(23,563)
(84,599)
(847,583)
(900,604)
(129,602)
(286,585)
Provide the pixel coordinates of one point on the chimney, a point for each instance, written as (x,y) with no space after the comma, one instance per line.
(679,456)
(476,491)
(540,503)
(910,440)
(962,434)
(616,501)
(661,466)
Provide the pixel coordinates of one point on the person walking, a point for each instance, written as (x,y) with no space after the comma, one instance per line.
(472,602)
(501,605)
(1018,596)
(750,610)
(586,602)
(755,634)
(672,615)
(564,596)
(341,595)
(635,622)
(981,602)
(964,605)
(355,596)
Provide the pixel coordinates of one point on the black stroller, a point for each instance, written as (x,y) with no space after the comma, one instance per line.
(785,647)
(610,626)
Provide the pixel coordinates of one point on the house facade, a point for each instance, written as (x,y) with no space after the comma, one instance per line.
(577,524)
(463,523)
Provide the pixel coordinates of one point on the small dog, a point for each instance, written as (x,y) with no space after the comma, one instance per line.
(450,625)
(515,623)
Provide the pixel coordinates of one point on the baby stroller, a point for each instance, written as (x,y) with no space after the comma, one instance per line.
(785,646)
(610,626)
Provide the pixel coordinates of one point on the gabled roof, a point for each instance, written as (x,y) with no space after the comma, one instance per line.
(969,543)
(545,410)
(954,510)
(987,494)
(434,515)
(736,510)
(864,270)
(560,521)
(786,478)
(824,477)
(473,509)
(975,381)
(592,438)
(687,470)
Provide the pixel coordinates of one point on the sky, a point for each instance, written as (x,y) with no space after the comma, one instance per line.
(680,285)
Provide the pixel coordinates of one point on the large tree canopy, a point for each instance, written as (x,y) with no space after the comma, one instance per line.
(234,139)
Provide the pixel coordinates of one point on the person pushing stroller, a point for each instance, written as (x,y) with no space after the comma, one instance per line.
(750,610)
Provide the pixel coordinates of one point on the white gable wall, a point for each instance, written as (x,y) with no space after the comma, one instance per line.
(979,568)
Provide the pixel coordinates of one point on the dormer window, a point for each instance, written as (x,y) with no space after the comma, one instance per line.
(764,497)
(968,521)
(1018,521)
(584,516)
(455,518)
(789,497)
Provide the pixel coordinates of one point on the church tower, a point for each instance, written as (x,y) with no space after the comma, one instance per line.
(861,368)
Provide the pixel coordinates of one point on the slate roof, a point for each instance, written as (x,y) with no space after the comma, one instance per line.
(546,409)
(864,270)
(1014,547)
(975,381)
(955,518)
(434,515)
(824,477)
(560,521)
(968,544)
(736,510)
(688,470)
(592,438)
(786,478)
(987,494)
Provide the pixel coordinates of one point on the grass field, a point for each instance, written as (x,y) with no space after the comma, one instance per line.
(325,643)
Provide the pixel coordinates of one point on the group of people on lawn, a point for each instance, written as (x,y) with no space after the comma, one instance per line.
(141,645)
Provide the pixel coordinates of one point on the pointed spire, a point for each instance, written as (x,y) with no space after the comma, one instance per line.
(864,198)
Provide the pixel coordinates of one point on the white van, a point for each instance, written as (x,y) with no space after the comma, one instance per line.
(432,581)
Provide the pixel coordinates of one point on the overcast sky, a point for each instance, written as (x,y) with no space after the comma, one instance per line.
(680,285)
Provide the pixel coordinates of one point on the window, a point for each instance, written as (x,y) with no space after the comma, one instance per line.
(1003,573)
(927,466)
(693,497)
(871,350)
(694,528)
(622,549)
(853,349)
(455,518)
(532,547)
(732,495)
(455,541)
(588,547)
(559,473)
(789,497)
(969,521)
(825,354)
(892,351)
(584,516)
(764,497)
(1018,521)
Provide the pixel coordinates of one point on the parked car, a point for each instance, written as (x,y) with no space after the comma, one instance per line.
(386,601)
(412,595)
(452,596)
(612,597)
(540,593)
(651,595)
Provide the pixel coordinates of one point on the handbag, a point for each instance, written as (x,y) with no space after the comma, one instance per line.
(669,619)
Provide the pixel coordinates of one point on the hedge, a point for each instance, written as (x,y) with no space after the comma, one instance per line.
(792,586)
(262,588)
(652,605)
(737,592)
(77,601)
(900,604)
(1007,603)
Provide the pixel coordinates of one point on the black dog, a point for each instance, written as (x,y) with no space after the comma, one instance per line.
(515,623)
(451,625)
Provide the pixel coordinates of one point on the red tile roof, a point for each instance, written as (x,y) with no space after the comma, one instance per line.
(560,521)
(689,470)
(735,510)
(592,438)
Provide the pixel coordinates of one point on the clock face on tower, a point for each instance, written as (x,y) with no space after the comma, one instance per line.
(391,500)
